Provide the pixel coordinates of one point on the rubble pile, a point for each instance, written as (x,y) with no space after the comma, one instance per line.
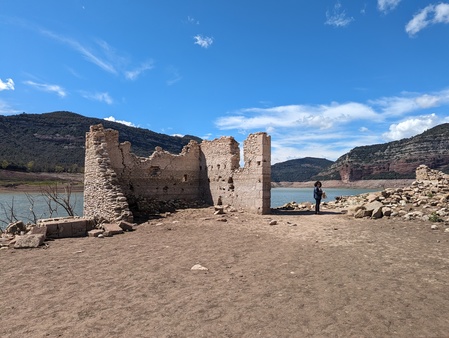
(427,198)
(17,235)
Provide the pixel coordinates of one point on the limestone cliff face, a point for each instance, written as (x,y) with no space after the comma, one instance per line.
(398,159)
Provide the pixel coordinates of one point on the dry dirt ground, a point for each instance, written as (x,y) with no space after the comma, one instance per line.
(309,275)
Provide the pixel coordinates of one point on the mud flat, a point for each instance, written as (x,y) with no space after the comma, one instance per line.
(305,275)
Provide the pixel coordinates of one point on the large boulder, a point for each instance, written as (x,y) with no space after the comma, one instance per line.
(15,228)
(29,241)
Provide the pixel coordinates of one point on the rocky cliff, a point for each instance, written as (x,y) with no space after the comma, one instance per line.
(397,159)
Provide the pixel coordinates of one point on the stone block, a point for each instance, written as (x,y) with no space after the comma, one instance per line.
(79,228)
(52,229)
(111,229)
(29,241)
(126,226)
(38,230)
(377,213)
(15,228)
(95,232)
(63,228)
(360,213)
(373,205)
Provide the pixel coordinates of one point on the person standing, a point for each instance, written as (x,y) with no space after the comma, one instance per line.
(317,194)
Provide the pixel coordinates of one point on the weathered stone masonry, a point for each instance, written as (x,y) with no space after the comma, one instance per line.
(118,183)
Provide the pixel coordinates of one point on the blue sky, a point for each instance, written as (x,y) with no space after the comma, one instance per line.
(321,77)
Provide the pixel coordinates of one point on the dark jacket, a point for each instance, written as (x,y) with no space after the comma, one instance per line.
(317,193)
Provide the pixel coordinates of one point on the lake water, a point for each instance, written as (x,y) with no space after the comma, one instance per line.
(21,205)
(280,196)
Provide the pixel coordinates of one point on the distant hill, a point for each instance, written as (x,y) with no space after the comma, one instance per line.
(55,141)
(299,170)
(392,160)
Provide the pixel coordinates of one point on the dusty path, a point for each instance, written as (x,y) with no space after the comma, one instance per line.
(326,276)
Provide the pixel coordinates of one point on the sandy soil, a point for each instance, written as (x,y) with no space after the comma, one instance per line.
(309,275)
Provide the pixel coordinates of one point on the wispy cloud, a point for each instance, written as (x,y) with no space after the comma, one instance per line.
(203,41)
(86,52)
(338,17)
(319,116)
(8,85)
(50,88)
(101,54)
(174,76)
(6,109)
(431,14)
(206,136)
(410,102)
(192,20)
(386,6)
(135,73)
(101,97)
(330,130)
(126,123)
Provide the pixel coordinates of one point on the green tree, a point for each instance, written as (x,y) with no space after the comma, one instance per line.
(30,165)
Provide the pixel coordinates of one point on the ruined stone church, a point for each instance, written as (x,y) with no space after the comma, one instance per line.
(119,184)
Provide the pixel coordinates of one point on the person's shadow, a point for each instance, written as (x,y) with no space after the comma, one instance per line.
(287,212)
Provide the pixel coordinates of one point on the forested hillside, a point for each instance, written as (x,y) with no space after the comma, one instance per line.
(55,141)
(299,170)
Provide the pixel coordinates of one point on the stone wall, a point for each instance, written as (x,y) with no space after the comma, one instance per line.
(103,195)
(424,173)
(119,184)
(248,187)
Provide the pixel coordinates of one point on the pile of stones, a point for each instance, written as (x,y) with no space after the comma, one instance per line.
(427,198)
(19,235)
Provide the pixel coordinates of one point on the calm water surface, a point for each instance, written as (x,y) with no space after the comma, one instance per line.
(21,205)
(280,196)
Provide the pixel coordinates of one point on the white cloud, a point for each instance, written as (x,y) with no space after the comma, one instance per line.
(441,13)
(47,88)
(432,14)
(8,85)
(174,76)
(134,74)
(6,109)
(192,20)
(338,17)
(427,101)
(411,127)
(316,144)
(330,130)
(203,41)
(101,97)
(319,116)
(387,5)
(400,105)
(126,123)
(105,57)
(84,51)
(206,136)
